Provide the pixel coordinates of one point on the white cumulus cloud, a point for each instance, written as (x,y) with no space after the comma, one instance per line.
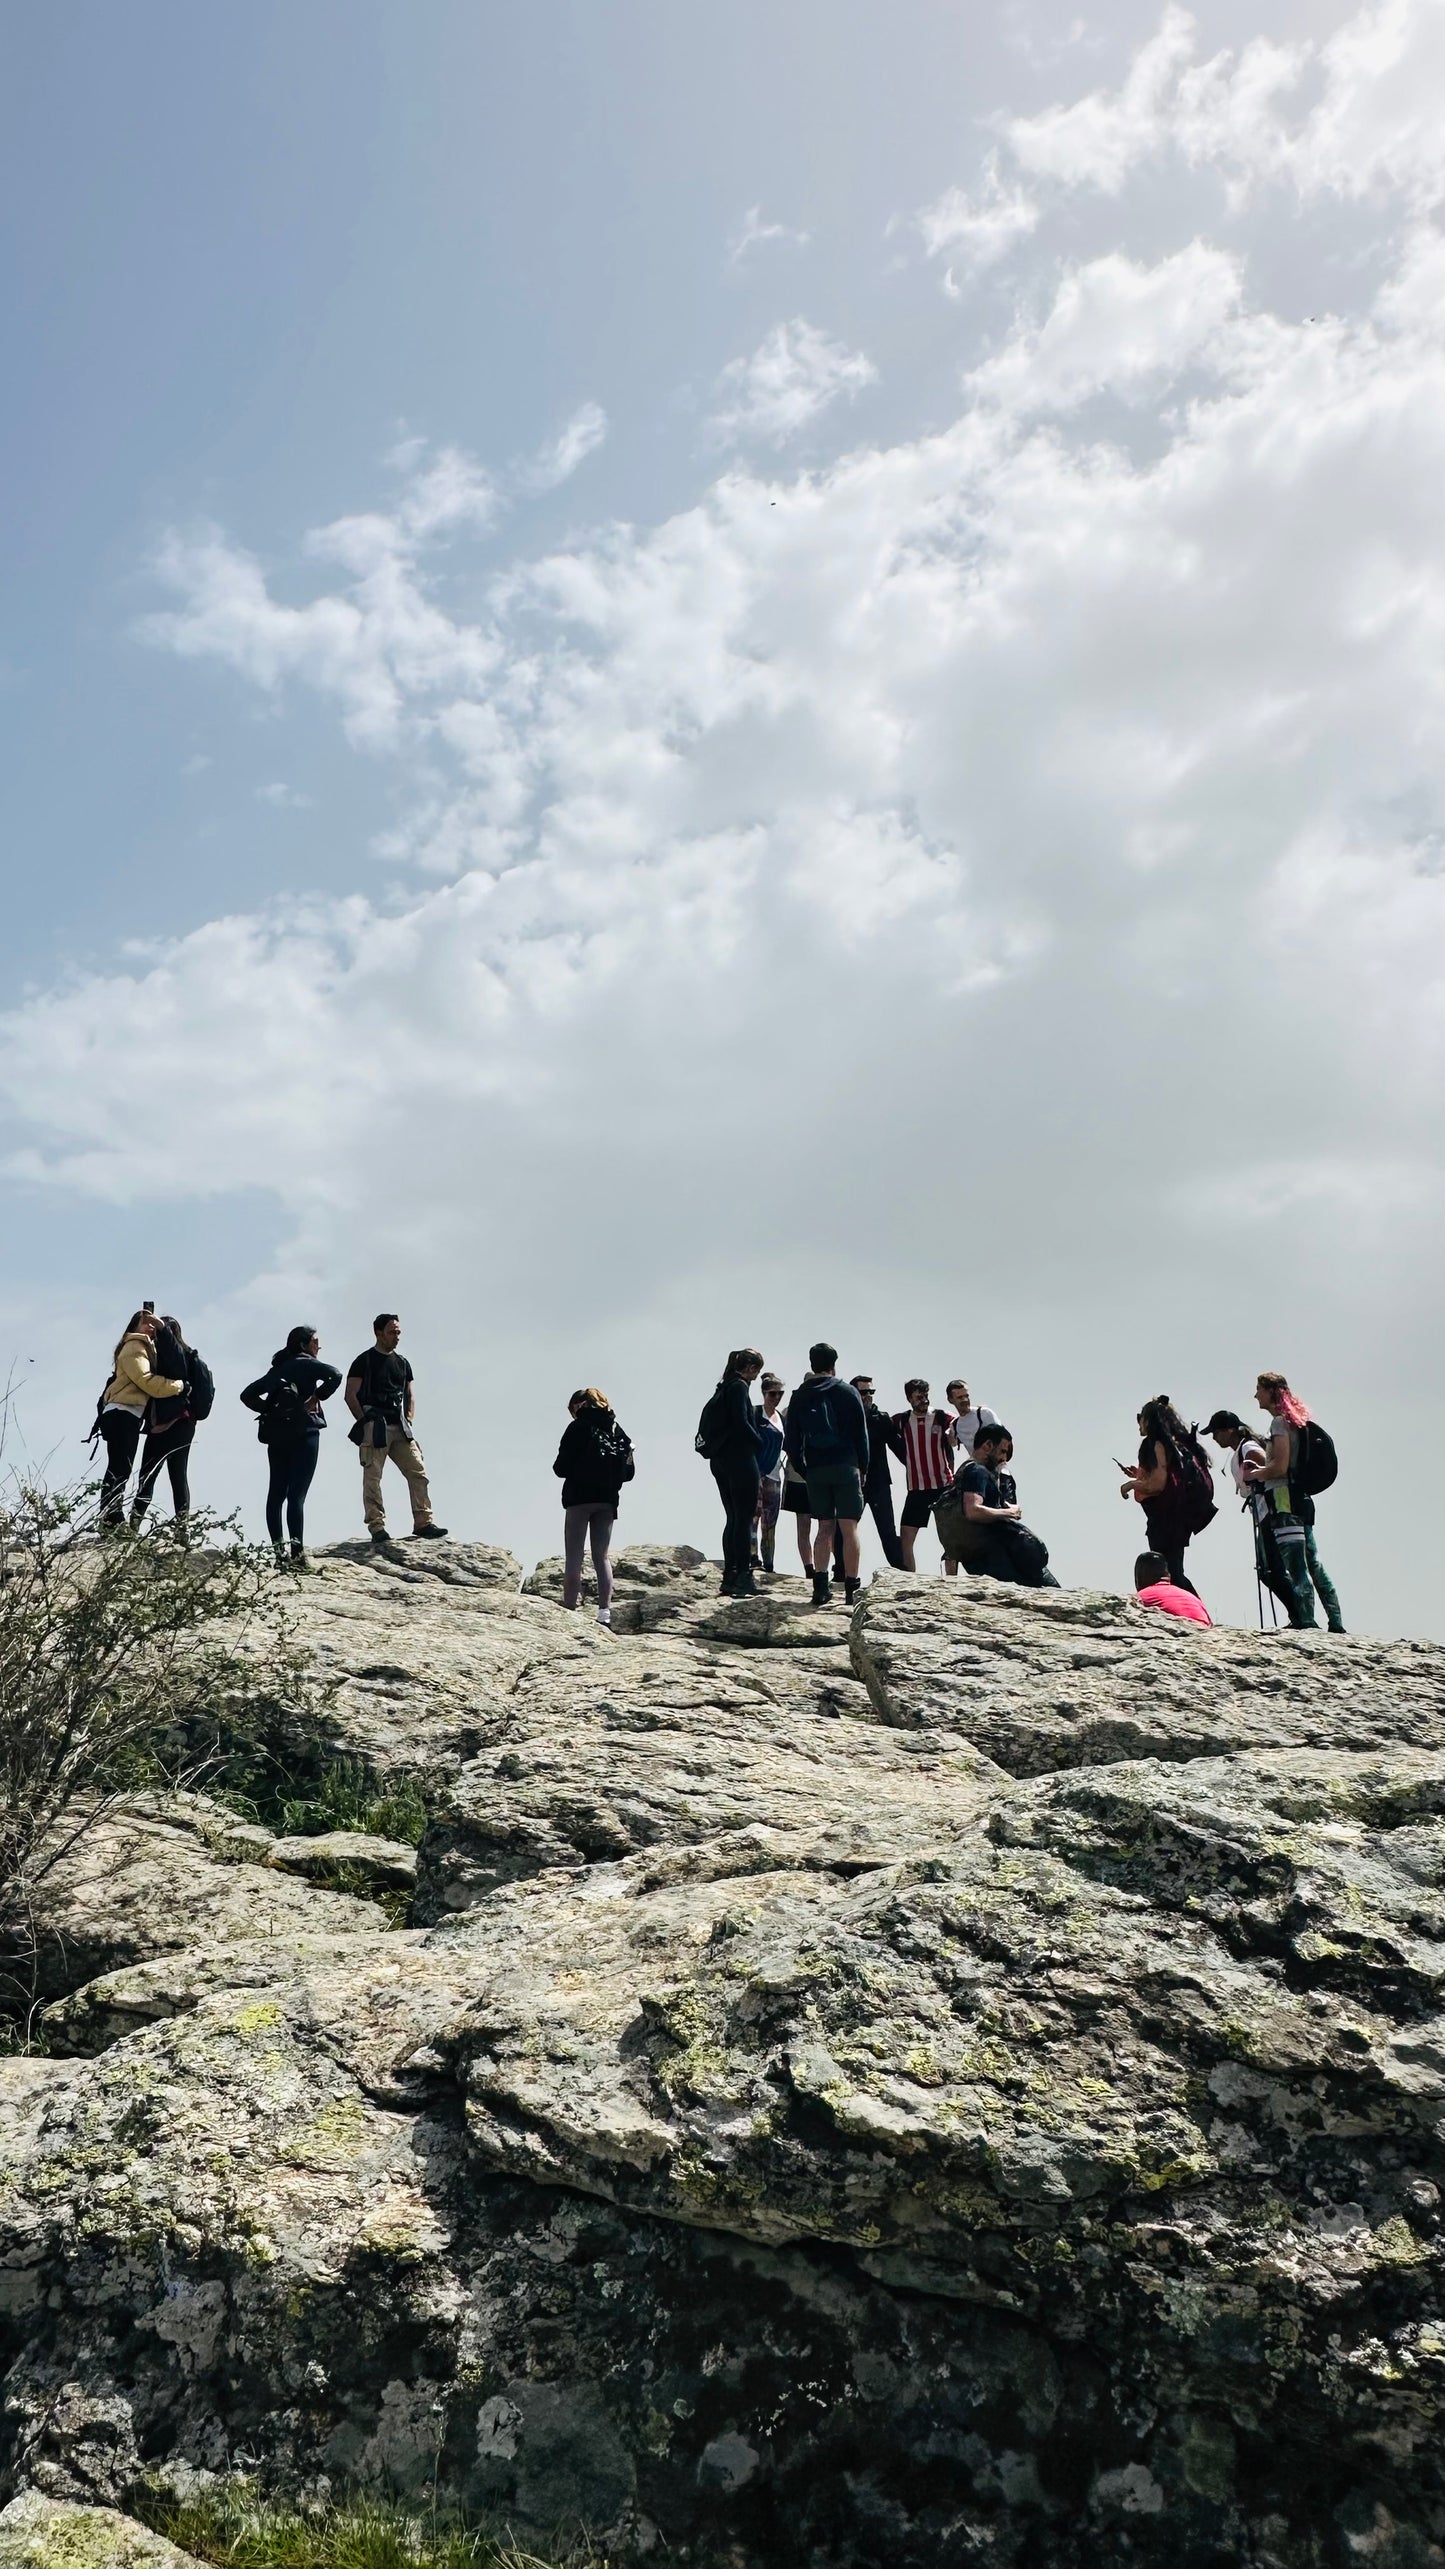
(796,374)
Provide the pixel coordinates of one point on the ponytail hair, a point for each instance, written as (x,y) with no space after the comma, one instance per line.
(1290,1402)
(740,1357)
(297,1341)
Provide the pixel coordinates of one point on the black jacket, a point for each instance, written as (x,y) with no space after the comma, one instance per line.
(741,1440)
(879,1475)
(590,1476)
(270,1395)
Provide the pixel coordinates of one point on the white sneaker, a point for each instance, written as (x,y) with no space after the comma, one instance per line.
(604,1616)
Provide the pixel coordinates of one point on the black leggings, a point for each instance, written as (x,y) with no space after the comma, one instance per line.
(121,1430)
(171,1446)
(738,1484)
(1173,1551)
(293,1467)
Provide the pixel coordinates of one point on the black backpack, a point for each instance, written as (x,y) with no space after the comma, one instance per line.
(712,1426)
(200,1385)
(1192,1476)
(283,1413)
(1318,1465)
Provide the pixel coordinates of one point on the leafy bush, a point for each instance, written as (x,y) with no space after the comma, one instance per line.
(124,1662)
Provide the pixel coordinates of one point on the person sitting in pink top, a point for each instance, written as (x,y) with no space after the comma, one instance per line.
(1154,1587)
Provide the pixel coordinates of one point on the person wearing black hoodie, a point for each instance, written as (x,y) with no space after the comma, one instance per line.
(736,1458)
(827,1433)
(288,1401)
(593,1460)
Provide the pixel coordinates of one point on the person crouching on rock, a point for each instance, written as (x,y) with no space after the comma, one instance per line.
(593,1460)
(134,1381)
(381,1398)
(1009,1550)
(288,1401)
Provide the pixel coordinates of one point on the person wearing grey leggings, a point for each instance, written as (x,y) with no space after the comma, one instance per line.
(593,1460)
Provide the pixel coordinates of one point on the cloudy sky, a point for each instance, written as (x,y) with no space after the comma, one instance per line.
(678,677)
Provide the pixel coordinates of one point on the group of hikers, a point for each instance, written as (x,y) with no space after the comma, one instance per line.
(823,1456)
(160,1389)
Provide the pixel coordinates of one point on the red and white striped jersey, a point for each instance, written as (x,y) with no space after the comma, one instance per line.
(927,1449)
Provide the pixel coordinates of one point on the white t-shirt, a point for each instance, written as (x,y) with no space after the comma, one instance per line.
(1248,1451)
(966,1426)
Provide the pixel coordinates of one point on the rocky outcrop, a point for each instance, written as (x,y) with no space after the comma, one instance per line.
(1041,1680)
(149,1877)
(813,2129)
(44,2533)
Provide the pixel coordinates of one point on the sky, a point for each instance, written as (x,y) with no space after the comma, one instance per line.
(675,679)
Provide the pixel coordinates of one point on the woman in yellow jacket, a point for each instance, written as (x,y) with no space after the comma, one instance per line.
(133,1382)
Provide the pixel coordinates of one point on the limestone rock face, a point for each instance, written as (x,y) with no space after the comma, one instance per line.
(814,2129)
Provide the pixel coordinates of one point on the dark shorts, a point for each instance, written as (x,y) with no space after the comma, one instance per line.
(794,1501)
(919,1505)
(836,1490)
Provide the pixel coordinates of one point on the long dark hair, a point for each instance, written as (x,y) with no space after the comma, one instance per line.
(1163,1422)
(297,1342)
(136,1326)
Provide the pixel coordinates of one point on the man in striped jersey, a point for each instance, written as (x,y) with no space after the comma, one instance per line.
(923,1439)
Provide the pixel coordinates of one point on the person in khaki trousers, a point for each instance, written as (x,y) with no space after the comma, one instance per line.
(381,1398)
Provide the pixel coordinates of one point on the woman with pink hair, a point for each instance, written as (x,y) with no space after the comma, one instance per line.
(1288,1519)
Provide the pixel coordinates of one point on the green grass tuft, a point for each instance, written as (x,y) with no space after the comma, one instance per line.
(236,2529)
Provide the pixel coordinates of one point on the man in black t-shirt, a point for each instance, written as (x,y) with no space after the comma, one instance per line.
(1010,1552)
(381,1399)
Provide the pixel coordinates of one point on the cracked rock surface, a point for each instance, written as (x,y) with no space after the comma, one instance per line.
(987,2107)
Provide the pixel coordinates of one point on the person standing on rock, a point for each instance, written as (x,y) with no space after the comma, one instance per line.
(1286,1482)
(135,1380)
(1171,1482)
(794,1502)
(730,1435)
(770,1486)
(1246,1451)
(878,1481)
(923,1441)
(171,1422)
(382,1400)
(970,1417)
(593,1460)
(827,1432)
(287,1400)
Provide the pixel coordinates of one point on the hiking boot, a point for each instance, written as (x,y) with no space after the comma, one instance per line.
(850,1590)
(822,1587)
(727,1589)
(379,1536)
(747,1587)
(427,1533)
